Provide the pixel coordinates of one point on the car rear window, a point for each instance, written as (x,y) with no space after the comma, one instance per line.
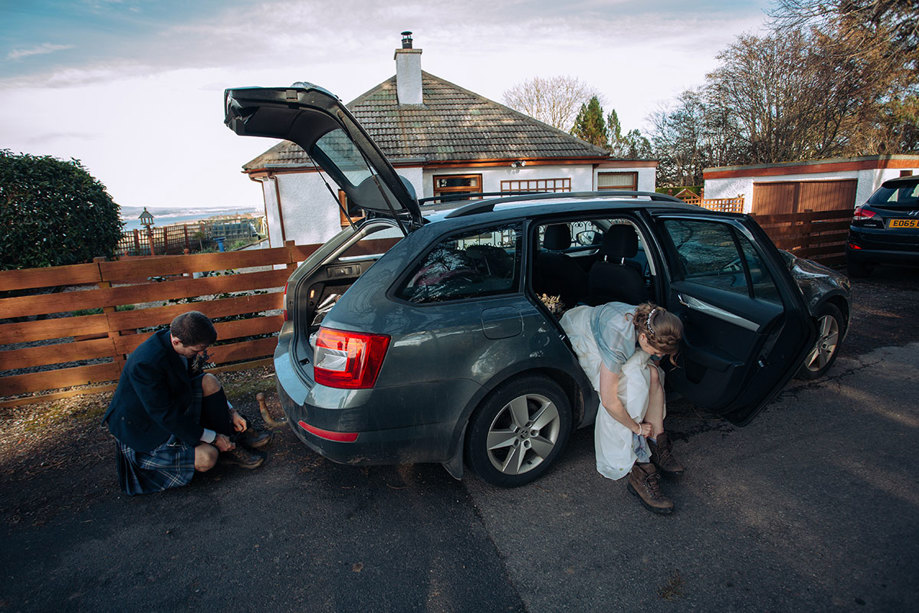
(906,194)
(470,264)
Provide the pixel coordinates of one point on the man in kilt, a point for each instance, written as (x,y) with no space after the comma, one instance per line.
(168,419)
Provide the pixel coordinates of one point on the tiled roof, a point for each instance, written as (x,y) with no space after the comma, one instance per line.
(453,124)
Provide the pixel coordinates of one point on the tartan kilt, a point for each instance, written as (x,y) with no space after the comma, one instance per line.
(172,464)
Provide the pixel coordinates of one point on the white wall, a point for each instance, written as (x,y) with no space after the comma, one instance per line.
(311,214)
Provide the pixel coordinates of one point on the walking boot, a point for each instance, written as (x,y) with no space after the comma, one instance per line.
(242,457)
(644,482)
(254,439)
(662,456)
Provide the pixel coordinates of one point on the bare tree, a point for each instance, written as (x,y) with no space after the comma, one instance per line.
(888,28)
(552,100)
(874,44)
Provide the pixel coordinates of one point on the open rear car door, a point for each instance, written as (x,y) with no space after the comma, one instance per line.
(747,328)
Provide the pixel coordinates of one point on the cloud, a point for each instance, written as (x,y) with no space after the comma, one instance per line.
(42,49)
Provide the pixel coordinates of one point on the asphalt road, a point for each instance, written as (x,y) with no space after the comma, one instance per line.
(813,506)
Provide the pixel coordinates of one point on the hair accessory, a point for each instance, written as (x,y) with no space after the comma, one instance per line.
(650,315)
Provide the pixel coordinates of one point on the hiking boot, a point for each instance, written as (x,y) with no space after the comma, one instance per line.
(644,482)
(662,456)
(242,457)
(253,439)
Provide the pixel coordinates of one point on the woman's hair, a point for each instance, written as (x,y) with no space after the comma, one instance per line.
(193,328)
(662,328)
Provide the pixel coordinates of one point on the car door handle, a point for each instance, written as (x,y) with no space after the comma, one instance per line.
(716,312)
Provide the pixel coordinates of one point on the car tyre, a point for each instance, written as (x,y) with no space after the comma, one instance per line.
(831,327)
(518,431)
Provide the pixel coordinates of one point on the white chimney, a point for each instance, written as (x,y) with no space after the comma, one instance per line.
(408,72)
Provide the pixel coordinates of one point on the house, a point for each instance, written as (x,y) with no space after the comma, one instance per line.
(818,185)
(444,140)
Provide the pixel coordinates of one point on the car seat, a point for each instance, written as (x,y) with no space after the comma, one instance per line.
(614,278)
(556,274)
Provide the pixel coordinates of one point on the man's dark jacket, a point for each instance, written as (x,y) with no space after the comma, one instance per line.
(153,397)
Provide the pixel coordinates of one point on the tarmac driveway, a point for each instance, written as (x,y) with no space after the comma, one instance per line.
(812,506)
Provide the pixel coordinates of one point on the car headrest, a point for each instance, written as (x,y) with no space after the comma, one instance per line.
(619,242)
(558,237)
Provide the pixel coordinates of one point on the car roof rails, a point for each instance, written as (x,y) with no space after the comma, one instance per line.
(484,206)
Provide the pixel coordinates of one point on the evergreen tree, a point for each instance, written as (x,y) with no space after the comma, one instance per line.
(590,126)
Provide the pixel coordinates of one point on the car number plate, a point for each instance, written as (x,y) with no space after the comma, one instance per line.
(904,223)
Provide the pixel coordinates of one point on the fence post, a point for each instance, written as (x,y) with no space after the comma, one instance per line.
(187,246)
(136,242)
(291,260)
(806,229)
(113,333)
(165,241)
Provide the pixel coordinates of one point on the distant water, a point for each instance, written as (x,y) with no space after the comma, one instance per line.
(167,216)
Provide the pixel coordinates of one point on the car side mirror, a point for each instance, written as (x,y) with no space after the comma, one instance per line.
(588,238)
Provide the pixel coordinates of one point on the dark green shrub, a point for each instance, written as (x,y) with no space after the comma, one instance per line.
(53,213)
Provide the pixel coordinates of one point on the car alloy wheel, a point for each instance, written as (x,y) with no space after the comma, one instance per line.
(830,327)
(519,431)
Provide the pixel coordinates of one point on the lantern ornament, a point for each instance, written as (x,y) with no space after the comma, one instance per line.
(146,219)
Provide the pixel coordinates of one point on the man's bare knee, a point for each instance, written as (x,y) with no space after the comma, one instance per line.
(205,457)
(209,384)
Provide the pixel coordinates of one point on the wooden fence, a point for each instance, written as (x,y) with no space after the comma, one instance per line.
(81,336)
(161,241)
(819,236)
(725,205)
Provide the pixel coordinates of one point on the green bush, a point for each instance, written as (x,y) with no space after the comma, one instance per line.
(53,213)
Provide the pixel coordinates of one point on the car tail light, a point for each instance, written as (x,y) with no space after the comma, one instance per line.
(866,217)
(861,214)
(349,360)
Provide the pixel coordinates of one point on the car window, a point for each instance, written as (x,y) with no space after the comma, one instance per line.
(715,255)
(483,262)
(907,193)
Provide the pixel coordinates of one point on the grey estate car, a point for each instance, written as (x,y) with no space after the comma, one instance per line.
(430,333)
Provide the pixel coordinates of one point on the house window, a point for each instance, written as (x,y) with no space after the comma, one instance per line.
(354,215)
(617,180)
(536,185)
(457,184)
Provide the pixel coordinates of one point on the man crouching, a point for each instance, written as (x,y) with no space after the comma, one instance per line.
(169,421)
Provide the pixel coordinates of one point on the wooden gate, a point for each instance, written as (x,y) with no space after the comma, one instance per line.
(781,197)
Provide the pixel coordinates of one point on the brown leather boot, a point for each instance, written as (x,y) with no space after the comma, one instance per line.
(644,482)
(662,456)
(242,457)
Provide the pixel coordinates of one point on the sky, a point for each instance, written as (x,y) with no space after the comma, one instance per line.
(134,88)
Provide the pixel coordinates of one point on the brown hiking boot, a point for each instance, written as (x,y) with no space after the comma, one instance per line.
(253,439)
(242,457)
(662,456)
(644,482)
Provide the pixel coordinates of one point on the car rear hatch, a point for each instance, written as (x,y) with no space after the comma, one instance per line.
(317,121)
